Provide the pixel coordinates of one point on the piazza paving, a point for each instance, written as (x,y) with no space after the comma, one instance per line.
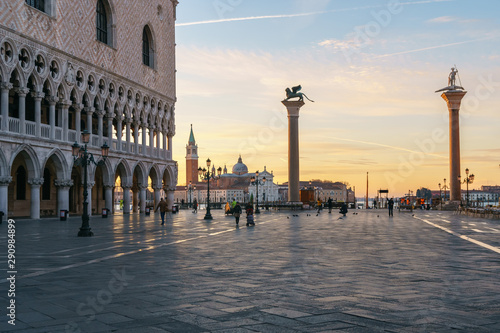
(422,271)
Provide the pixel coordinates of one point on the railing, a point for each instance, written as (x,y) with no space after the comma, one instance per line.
(95,141)
(155,152)
(140,149)
(45,131)
(58,133)
(1,123)
(14,125)
(124,146)
(114,144)
(30,128)
(72,136)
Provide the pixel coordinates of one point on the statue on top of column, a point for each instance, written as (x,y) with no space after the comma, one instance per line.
(452,81)
(294,92)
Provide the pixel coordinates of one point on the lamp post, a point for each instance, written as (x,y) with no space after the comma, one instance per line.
(468,180)
(440,197)
(255,180)
(83,158)
(205,174)
(444,189)
(190,188)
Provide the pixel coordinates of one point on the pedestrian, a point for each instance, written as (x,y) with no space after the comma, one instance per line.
(330,205)
(249,211)
(237,212)
(319,205)
(195,206)
(343,209)
(390,205)
(162,205)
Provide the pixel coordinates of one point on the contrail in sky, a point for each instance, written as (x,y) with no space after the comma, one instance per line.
(433,47)
(384,146)
(303,14)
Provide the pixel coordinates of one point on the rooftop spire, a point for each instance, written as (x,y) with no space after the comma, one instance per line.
(191,136)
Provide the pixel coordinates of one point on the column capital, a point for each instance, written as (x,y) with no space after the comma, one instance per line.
(36,181)
(109,185)
(6,86)
(63,182)
(157,187)
(126,186)
(22,92)
(65,104)
(110,115)
(37,95)
(143,187)
(128,120)
(89,110)
(5,180)
(78,107)
(101,113)
(89,184)
(52,100)
(168,188)
(453,98)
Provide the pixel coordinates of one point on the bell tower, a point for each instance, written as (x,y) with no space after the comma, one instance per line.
(191,159)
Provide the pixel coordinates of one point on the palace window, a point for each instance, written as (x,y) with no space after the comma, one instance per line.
(147,47)
(38,4)
(101,22)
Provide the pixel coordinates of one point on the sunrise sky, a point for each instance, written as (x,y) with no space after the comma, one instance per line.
(371,67)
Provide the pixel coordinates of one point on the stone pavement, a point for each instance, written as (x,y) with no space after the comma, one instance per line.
(431,272)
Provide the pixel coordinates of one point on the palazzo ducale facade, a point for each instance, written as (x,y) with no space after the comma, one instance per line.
(104,66)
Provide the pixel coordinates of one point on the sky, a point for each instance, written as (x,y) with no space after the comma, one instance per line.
(372,68)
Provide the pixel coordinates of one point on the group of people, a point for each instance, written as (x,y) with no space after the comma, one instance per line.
(237,211)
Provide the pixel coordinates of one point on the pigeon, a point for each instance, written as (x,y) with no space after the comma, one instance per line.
(317,214)
(378,215)
(288,217)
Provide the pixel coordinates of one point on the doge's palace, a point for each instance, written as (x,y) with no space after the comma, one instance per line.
(102,66)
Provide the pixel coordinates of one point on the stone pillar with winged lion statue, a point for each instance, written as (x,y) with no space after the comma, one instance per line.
(293,108)
(453,95)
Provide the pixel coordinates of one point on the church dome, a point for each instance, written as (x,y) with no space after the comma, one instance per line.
(240,168)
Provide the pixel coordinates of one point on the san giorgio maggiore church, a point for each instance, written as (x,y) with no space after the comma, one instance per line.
(104,66)
(234,185)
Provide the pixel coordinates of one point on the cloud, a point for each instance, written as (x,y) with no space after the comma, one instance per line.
(280,16)
(443,19)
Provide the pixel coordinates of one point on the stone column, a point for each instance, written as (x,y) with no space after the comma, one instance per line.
(5,105)
(38,96)
(21,93)
(78,120)
(90,185)
(100,116)
(157,194)
(4,187)
(453,99)
(170,192)
(293,108)
(65,119)
(135,198)
(63,187)
(89,112)
(126,198)
(136,136)
(109,119)
(119,120)
(35,197)
(108,196)
(144,138)
(128,121)
(151,140)
(164,135)
(142,198)
(52,115)
(158,134)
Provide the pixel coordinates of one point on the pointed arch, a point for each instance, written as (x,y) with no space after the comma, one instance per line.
(31,159)
(59,160)
(155,174)
(123,169)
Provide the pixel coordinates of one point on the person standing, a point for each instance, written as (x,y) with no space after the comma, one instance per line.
(195,206)
(162,205)
(237,212)
(330,205)
(390,205)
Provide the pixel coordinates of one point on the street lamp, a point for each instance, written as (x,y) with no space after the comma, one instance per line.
(444,189)
(205,174)
(190,188)
(83,158)
(468,180)
(440,197)
(255,180)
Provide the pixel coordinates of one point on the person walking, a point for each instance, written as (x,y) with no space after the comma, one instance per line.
(163,206)
(390,205)
(195,206)
(237,212)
